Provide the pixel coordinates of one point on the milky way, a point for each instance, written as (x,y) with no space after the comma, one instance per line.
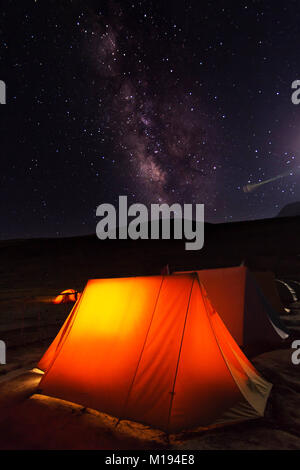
(162,101)
(160,131)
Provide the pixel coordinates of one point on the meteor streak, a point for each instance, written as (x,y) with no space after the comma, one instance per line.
(248,188)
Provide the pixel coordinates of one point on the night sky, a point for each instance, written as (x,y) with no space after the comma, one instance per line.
(162,101)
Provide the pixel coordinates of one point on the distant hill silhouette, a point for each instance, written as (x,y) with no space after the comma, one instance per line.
(62,263)
(290,210)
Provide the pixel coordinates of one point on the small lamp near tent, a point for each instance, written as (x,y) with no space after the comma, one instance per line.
(67,296)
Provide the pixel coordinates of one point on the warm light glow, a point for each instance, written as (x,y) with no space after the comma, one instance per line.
(106,303)
(36,370)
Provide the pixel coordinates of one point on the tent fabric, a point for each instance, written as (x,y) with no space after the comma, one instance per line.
(261,324)
(53,349)
(242,306)
(265,306)
(152,350)
(267,283)
(286,291)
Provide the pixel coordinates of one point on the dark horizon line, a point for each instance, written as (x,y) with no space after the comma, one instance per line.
(89,234)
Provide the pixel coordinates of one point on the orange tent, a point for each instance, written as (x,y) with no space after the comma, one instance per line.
(246,312)
(152,350)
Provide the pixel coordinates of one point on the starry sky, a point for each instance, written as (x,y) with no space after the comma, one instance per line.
(172,101)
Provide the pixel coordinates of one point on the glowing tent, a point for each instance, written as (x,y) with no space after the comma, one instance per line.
(241,304)
(152,350)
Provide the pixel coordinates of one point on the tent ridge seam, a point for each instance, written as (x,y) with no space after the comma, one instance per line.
(223,355)
(143,348)
(172,393)
(216,339)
